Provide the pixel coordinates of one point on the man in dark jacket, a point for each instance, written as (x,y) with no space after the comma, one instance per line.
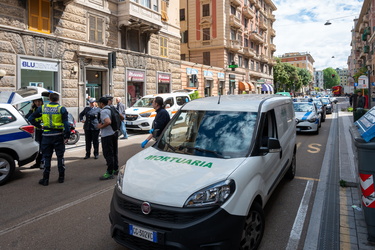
(90,127)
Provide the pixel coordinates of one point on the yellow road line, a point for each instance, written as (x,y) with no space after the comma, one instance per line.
(306,178)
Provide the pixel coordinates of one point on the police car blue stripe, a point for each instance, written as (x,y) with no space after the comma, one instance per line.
(11,98)
(304,118)
(14,136)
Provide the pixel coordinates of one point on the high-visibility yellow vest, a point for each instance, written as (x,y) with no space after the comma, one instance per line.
(51,116)
(38,119)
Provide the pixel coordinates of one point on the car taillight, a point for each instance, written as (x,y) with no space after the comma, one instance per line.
(29,129)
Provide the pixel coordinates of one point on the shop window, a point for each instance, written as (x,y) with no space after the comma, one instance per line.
(96,29)
(206,58)
(163,46)
(182,14)
(205,10)
(206,34)
(164,15)
(40,16)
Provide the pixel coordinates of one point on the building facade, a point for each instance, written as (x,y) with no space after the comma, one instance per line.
(318,80)
(84,48)
(218,34)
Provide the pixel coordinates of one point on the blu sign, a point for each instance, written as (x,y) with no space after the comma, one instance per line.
(39,65)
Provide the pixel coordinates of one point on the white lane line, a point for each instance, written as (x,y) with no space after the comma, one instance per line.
(295,234)
(56,210)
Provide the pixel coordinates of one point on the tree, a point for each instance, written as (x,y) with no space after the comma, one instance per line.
(286,77)
(305,76)
(330,78)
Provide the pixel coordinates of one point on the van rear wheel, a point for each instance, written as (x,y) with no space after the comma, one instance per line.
(253,230)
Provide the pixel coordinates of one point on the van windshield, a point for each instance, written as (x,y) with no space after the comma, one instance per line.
(220,134)
(144,103)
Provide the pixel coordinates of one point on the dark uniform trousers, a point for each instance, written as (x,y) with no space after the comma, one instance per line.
(109,146)
(92,136)
(38,138)
(50,143)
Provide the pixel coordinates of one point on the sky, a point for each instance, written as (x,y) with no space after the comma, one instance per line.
(300,27)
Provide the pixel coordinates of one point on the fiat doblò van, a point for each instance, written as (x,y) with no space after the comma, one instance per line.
(204,183)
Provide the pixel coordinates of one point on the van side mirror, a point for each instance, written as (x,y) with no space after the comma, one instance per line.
(273,146)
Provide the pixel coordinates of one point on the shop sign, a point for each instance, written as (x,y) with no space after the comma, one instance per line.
(164,78)
(208,73)
(191,71)
(136,76)
(39,65)
(220,75)
(232,76)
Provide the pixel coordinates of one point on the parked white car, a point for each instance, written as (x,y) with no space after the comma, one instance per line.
(141,115)
(205,182)
(307,117)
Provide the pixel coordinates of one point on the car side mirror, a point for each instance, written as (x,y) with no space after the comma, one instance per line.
(273,146)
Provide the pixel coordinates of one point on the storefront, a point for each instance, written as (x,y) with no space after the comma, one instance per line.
(232,84)
(164,82)
(208,83)
(39,72)
(192,77)
(221,83)
(135,82)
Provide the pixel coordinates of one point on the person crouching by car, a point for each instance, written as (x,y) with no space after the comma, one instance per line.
(161,119)
(38,132)
(90,127)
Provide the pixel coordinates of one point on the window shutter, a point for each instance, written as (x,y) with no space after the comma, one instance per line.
(92,28)
(164,16)
(33,14)
(45,16)
(100,30)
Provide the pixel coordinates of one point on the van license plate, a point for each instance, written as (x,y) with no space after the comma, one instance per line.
(129,123)
(143,233)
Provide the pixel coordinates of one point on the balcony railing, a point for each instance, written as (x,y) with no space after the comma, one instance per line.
(262,25)
(236,2)
(133,14)
(249,52)
(272,17)
(272,32)
(234,45)
(247,12)
(255,37)
(234,21)
(272,47)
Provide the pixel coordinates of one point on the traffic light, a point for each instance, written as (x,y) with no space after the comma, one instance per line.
(333,75)
(112,60)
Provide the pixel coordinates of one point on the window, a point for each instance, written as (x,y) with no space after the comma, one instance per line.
(240,39)
(245,21)
(206,58)
(205,10)
(185,36)
(206,34)
(39,16)
(246,63)
(246,42)
(182,14)
(252,65)
(146,3)
(252,45)
(183,57)
(233,10)
(163,46)
(164,15)
(239,61)
(232,34)
(96,29)
(6,117)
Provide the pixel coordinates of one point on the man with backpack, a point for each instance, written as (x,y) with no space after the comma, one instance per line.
(108,138)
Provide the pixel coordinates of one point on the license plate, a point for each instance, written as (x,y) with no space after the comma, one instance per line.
(298,129)
(129,123)
(143,233)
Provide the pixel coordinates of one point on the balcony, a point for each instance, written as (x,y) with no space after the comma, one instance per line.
(263,58)
(235,22)
(236,2)
(272,62)
(253,1)
(366,19)
(234,45)
(272,47)
(272,32)
(263,25)
(137,16)
(272,17)
(247,12)
(249,52)
(255,37)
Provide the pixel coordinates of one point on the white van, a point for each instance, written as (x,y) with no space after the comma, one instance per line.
(204,183)
(141,115)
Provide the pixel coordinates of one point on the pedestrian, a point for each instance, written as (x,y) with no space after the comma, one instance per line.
(351,99)
(360,100)
(108,138)
(55,135)
(121,109)
(88,100)
(161,119)
(38,132)
(90,127)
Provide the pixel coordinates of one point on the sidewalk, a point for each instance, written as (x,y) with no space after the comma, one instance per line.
(353,230)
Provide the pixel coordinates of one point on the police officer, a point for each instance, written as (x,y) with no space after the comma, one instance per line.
(56,133)
(91,114)
(38,132)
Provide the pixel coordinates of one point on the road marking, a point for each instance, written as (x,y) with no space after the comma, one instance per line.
(306,178)
(295,234)
(315,147)
(54,211)
(298,145)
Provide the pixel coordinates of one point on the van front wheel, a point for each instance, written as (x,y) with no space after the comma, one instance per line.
(292,168)
(253,230)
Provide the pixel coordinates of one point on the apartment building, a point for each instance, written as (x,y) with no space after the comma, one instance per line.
(361,60)
(219,34)
(80,48)
(318,80)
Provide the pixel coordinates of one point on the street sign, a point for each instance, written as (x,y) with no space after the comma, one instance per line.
(232,66)
(362,82)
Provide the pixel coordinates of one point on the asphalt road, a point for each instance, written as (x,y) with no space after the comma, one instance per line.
(74,215)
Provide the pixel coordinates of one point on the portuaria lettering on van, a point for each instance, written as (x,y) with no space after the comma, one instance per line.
(180,160)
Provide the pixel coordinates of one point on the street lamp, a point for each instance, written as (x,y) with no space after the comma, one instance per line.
(369,85)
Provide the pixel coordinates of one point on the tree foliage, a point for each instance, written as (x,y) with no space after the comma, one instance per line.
(290,78)
(330,78)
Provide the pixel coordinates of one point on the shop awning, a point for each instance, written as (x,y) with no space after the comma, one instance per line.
(267,87)
(252,87)
(243,86)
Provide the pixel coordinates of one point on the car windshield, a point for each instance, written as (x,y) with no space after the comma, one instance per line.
(303,107)
(144,102)
(220,134)
(325,100)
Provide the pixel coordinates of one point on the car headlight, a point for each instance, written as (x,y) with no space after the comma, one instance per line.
(120,178)
(213,195)
(312,119)
(145,114)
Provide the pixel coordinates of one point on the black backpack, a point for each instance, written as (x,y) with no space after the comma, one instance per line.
(115,118)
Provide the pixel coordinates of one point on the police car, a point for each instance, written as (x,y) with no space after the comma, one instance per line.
(16,133)
(141,115)
(307,117)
